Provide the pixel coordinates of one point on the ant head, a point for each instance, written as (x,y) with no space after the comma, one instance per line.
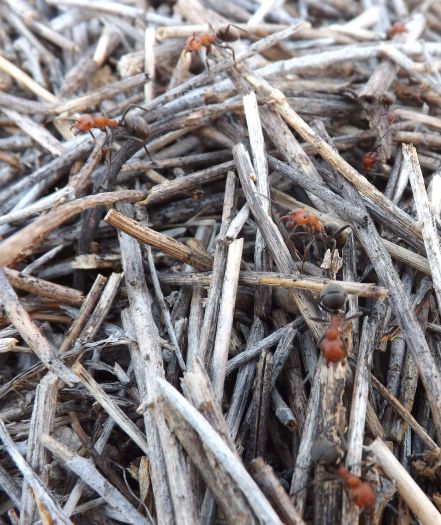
(333,298)
(193,44)
(84,123)
(325,452)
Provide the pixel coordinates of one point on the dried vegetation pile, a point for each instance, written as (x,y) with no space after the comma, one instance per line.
(181,184)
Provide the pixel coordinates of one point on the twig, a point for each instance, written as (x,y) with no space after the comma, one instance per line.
(27,238)
(425,216)
(227,460)
(86,470)
(32,479)
(412,494)
(30,333)
(271,487)
(226,312)
(158,240)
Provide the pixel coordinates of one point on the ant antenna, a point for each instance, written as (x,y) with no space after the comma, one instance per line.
(378,141)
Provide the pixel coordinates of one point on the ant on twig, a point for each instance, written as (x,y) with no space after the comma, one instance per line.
(313,229)
(196,43)
(370,158)
(87,122)
(360,492)
(332,343)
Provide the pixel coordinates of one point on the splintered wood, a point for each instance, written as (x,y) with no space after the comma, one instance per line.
(220,262)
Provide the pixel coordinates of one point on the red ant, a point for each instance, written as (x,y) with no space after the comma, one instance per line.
(396,29)
(214,38)
(360,492)
(332,344)
(370,158)
(313,228)
(89,122)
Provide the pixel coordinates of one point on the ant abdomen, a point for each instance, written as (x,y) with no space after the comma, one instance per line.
(228,34)
(137,126)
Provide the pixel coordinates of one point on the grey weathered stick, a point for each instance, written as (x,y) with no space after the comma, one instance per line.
(273,238)
(225,491)
(314,284)
(86,470)
(272,488)
(111,407)
(18,316)
(357,418)
(303,460)
(405,414)
(42,420)
(28,238)
(32,479)
(9,486)
(220,258)
(282,411)
(425,216)
(244,382)
(257,144)
(102,308)
(164,308)
(408,489)
(254,350)
(84,313)
(226,312)
(162,242)
(36,131)
(171,487)
(292,152)
(227,459)
(77,491)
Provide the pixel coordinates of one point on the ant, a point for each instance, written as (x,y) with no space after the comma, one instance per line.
(332,344)
(313,228)
(396,29)
(360,492)
(89,122)
(217,38)
(370,158)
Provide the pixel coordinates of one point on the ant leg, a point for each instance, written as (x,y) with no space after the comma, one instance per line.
(128,108)
(305,252)
(131,137)
(108,141)
(341,230)
(226,31)
(229,49)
